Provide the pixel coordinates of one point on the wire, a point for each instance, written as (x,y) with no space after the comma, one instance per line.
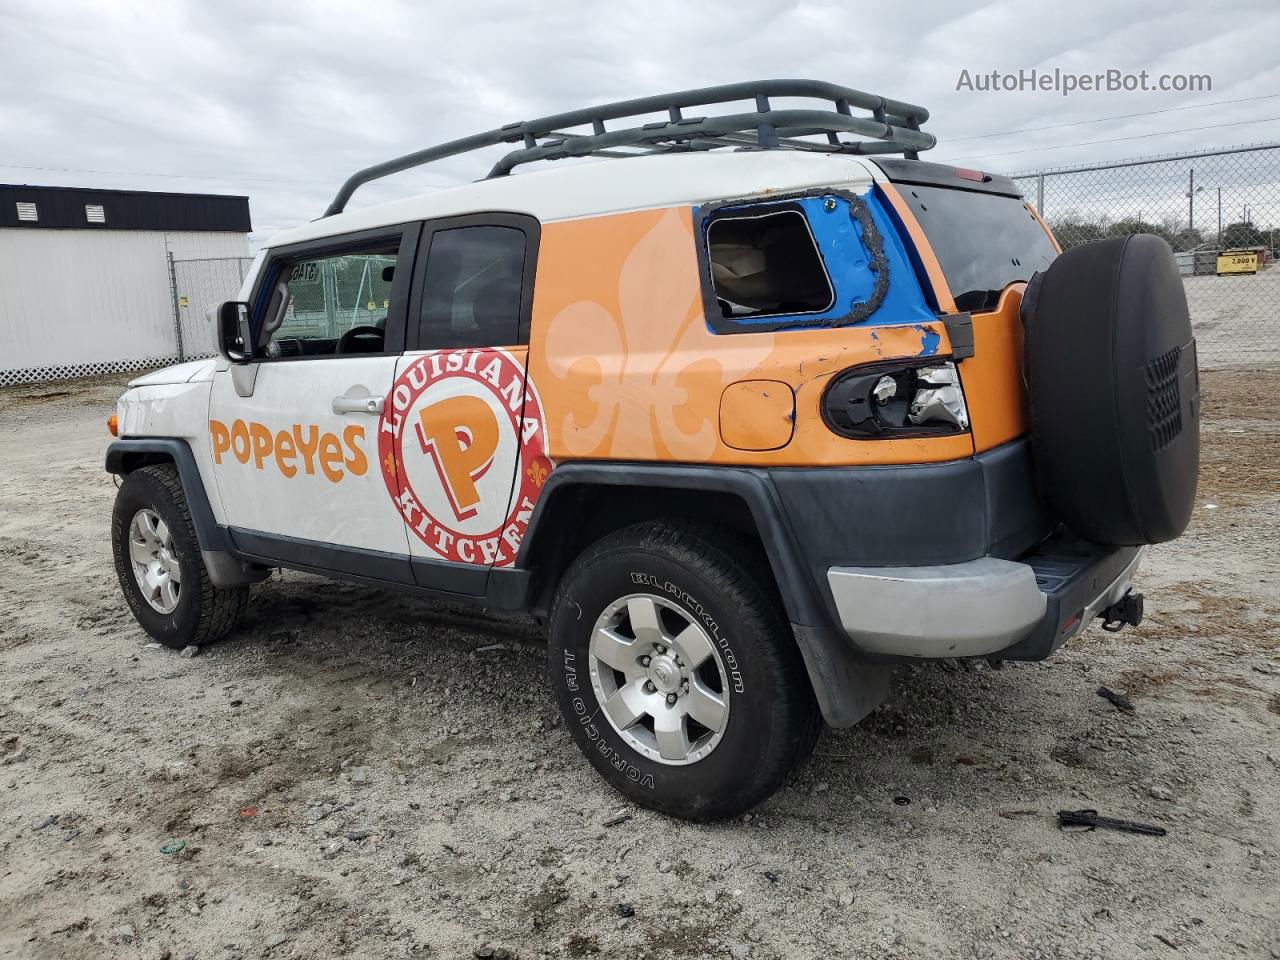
(1093,143)
(1123,116)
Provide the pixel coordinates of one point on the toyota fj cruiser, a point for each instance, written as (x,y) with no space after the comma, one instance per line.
(748,419)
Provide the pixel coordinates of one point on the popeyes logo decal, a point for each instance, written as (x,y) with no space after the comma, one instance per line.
(301,448)
(456,427)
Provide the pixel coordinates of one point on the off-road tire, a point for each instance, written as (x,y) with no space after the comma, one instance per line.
(204,613)
(773,719)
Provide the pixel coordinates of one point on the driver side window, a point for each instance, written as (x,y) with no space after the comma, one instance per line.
(336,304)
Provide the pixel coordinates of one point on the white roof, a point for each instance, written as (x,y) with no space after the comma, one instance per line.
(598,187)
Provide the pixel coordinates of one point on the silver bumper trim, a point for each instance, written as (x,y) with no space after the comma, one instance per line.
(970,609)
(957,610)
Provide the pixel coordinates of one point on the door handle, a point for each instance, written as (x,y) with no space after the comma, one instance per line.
(371,405)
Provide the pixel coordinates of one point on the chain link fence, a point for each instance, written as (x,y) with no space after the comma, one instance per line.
(1219,210)
(195,284)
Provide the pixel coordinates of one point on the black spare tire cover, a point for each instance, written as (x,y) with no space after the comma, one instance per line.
(1114,390)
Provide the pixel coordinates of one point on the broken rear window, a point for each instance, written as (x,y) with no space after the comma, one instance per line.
(767,264)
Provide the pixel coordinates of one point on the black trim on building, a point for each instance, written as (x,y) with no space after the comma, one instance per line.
(65,208)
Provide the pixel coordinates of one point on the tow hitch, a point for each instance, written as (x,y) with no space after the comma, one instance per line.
(1126,610)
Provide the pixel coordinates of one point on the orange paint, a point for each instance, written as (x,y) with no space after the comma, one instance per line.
(992,377)
(460,434)
(627,369)
(757,414)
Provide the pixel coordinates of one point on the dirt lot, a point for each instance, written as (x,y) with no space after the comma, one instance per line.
(358,773)
(1234,317)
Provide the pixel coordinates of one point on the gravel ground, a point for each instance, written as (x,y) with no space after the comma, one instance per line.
(360,773)
(1234,317)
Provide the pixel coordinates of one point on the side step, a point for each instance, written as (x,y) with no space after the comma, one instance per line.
(1080,580)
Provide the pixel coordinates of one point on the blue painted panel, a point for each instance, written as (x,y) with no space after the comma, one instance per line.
(848,262)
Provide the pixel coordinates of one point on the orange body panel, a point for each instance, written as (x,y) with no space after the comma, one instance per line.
(627,369)
(993,387)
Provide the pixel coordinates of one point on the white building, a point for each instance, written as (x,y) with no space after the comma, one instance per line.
(97,281)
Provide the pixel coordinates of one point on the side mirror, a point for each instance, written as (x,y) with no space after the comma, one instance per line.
(230,321)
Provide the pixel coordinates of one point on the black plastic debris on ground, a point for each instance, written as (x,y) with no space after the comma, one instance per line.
(1090,819)
(1121,703)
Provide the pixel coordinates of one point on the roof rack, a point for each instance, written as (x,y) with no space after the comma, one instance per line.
(892,127)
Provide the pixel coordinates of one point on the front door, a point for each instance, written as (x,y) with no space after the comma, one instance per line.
(294,434)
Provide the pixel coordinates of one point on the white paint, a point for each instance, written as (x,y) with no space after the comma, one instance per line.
(173,409)
(94,296)
(611,186)
(354,511)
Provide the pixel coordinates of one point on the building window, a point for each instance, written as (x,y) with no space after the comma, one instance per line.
(94,213)
(27,211)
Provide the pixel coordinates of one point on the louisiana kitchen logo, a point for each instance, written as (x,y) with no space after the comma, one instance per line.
(459,427)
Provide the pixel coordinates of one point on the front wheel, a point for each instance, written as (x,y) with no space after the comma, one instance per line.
(677,673)
(159,566)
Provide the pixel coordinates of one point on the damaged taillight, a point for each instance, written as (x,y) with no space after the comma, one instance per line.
(896,399)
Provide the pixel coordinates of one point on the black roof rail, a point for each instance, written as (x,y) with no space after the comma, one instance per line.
(892,127)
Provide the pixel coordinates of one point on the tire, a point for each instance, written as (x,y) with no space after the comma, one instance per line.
(708,597)
(1114,390)
(202,612)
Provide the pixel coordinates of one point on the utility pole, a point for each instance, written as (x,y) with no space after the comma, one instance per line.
(1219,216)
(1191,199)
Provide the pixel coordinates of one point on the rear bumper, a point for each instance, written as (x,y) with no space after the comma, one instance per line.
(1017,609)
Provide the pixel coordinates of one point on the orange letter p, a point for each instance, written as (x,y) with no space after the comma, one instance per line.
(461,436)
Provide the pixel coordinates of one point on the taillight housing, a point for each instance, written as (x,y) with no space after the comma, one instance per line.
(897,398)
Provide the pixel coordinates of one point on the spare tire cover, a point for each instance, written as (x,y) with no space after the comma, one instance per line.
(1114,391)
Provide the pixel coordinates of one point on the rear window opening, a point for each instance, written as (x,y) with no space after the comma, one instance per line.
(767,265)
(983,241)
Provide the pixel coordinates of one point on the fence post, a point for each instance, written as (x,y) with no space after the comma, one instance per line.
(1040,194)
(177,313)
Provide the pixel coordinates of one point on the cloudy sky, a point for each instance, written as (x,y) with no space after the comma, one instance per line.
(282,100)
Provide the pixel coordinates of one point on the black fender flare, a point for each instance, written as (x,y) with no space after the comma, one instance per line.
(126,455)
(846,687)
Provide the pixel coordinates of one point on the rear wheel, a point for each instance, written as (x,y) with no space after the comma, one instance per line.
(159,566)
(677,673)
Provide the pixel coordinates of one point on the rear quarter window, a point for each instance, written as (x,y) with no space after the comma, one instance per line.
(983,241)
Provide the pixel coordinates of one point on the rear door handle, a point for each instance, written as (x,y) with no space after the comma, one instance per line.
(371,405)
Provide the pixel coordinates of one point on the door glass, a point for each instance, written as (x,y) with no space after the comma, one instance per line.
(335,304)
(471,292)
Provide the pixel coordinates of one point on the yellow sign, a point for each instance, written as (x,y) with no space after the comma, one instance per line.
(1237,263)
(182,302)
(372,305)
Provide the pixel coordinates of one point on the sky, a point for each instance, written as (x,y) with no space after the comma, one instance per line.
(282,101)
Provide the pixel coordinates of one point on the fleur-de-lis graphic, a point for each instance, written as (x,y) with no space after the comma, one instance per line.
(537,472)
(627,380)
(389,464)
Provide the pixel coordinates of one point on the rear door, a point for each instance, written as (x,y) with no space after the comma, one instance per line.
(294,433)
(461,442)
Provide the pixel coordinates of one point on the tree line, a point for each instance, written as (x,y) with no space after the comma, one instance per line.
(1073,229)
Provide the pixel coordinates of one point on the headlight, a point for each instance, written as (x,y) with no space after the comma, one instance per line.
(896,399)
